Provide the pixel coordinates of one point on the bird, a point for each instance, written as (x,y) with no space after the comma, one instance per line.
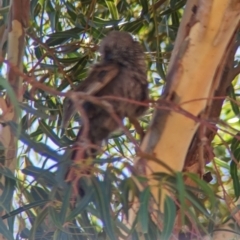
(121,72)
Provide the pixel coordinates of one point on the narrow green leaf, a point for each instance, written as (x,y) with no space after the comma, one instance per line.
(235,142)
(4,10)
(144,4)
(205,188)
(71,33)
(126,187)
(51,14)
(81,206)
(234,172)
(159,65)
(55,217)
(69,60)
(52,135)
(173,3)
(50,67)
(25,208)
(103,22)
(65,205)
(236,154)
(181,195)
(4,231)
(71,11)
(119,145)
(169,218)
(175,19)
(39,194)
(79,66)
(133,27)
(231,94)
(143,215)
(38,52)
(33,111)
(58,38)
(101,193)
(112,9)
(7,194)
(37,223)
(197,203)
(41,148)
(221,163)
(40,174)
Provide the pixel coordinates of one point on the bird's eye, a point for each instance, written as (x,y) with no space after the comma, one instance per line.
(108,55)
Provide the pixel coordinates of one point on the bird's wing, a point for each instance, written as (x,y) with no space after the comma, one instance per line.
(99,77)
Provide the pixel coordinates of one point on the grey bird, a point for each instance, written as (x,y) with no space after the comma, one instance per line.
(121,72)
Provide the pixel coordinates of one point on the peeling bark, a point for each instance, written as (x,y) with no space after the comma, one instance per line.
(191,82)
(18,21)
(195,71)
(213,110)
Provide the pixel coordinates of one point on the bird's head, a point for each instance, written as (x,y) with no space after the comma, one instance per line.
(120,47)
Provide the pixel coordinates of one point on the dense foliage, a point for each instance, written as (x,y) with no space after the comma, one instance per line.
(61,45)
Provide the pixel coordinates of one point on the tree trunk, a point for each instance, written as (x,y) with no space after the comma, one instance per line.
(193,77)
(196,68)
(18,21)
